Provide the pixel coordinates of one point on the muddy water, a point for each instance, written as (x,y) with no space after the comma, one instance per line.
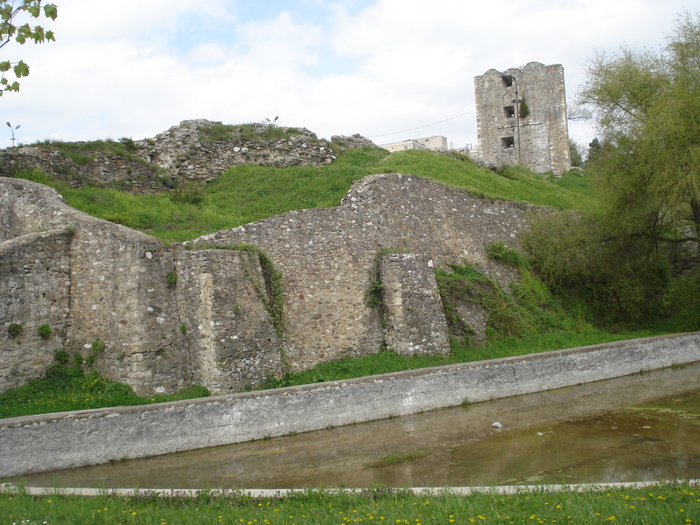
(642,427)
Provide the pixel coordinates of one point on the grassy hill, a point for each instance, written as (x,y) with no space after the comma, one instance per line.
(250,193)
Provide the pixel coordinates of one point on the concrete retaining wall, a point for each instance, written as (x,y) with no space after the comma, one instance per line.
(56,441)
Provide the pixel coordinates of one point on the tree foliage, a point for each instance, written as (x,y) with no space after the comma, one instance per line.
(647,108)
(623,259)
(16,25)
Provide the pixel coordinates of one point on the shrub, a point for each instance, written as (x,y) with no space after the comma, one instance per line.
(96,349)
(14,329)
(499,252)
(171,279)
(44,331)
(524,109)
(61,357)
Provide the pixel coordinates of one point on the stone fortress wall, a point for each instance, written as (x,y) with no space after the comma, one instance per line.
(538,141)
(172,316)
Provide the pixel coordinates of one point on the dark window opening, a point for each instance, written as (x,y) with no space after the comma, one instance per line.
(510,111)
(507,80)
(508,142)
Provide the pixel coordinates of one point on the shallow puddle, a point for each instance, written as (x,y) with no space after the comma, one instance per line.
(636,428)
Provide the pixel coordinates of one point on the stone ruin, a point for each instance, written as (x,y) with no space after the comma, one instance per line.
(189,153)
(521,118)
(208,312)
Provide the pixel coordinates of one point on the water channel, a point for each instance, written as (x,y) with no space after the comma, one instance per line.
(636,428)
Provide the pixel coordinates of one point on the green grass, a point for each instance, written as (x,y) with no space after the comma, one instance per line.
(66,388)
(513,183)
(387,361)
(249,193)
(654,505)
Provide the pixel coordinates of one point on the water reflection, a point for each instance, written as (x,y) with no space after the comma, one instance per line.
(606,431)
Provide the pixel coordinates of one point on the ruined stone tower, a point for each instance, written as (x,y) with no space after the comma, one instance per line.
(521,118)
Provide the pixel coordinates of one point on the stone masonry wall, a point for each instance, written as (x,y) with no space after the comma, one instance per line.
(114,283)
(225,320)
(170,317)
(538,141)
(34,290)
(416,323)
(327,256)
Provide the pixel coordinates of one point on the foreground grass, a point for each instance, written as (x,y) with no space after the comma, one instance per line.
(246,194)
(66,388)
(674,503)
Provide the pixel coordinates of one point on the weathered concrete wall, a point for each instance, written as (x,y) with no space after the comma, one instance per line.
(56,441)
(539,141)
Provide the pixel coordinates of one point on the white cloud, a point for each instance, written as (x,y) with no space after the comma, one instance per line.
(335,67)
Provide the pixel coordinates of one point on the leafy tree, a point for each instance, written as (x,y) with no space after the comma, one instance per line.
(12,29)
(576,153)
(624,259)
(648,110)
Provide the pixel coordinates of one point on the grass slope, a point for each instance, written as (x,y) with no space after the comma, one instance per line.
(249,193)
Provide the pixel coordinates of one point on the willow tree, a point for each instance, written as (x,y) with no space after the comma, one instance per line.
(625,257)
(647,108)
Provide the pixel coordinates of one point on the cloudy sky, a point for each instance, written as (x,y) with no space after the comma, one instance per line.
(387,69)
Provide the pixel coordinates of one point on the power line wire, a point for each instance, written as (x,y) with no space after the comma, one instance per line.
(421,127)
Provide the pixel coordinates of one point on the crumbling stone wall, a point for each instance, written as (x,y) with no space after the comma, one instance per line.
(327,256)
(34,290)
(101,169)
(171,316)
(538,140)
(415,322)
(178,156)
(111,283)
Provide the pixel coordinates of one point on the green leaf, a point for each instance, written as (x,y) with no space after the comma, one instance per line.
(51,11)
(21,69)
(5,66)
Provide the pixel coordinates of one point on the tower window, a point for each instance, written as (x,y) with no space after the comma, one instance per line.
(508,142)
(507,80)
(510,111)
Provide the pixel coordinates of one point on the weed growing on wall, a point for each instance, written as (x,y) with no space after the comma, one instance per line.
(171,279)
(248,132)
(14,329)
(528,309)
(97,348)
(84,152)
(498,251)
(466,284)
(270,292)
(374,295)
(273,294)
(44,331)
